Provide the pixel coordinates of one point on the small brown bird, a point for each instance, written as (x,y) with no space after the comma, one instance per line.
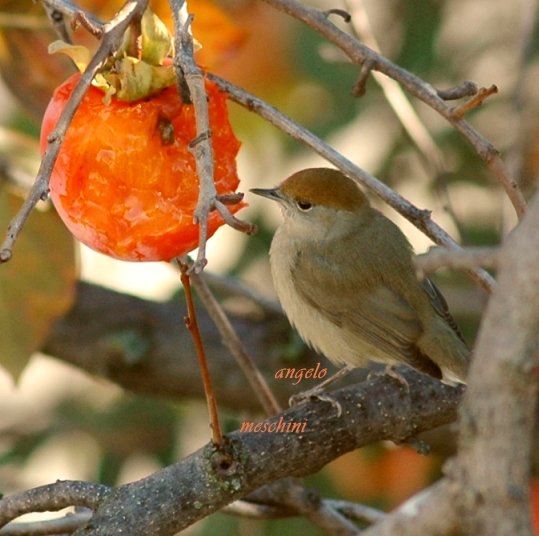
(345,277)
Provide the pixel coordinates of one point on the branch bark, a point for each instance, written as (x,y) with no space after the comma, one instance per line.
(143,346)
(495,448)
(177,496)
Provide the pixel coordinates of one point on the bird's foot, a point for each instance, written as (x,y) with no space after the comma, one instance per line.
(391,372)
(314,394)
(318,391)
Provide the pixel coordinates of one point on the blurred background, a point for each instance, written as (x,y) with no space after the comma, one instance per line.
(57,422)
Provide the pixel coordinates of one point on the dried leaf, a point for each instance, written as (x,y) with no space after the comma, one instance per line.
(36,285)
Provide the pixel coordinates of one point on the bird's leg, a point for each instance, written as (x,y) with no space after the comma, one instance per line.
(317,391)
(390,371)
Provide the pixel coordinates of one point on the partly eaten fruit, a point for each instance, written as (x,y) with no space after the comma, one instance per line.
(125,182)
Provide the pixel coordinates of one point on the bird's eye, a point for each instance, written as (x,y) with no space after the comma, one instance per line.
(304,205)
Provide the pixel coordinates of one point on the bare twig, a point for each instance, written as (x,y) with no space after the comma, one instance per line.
(360,88)
(81,19)
(359,512)
(476,101)
(431,156)
(253,510)
(201,146)
(340,12)
(359,53)
(191,323)
(439,257)
(431,511)
(393,93)
(234,287)
(528,28)
(420,218)
(69,10)
(309,504)
(466,89)
(234,344)
(112,36)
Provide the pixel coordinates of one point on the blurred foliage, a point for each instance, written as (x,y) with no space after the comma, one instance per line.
(418,47)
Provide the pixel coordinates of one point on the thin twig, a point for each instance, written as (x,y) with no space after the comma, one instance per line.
(191,323)
(201,147)
(393,93)
(234,287)
(432,157)
(309,504)
(358,512)
(466,89)
(431,511)
(360,87)
(234,344)
(420,218)
(293,498)
(528,28)
(360,53)
(439,257)
(188,71)
(476,101)
(81,19)
(340,12)
(251,510)
(112,36)
(69,10)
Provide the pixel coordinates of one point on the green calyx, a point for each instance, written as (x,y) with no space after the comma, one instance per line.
(124,76)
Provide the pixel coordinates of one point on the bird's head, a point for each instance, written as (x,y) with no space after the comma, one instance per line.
(318,202)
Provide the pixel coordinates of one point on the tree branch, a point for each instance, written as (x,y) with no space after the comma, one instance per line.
(140,345)
(495,447)
(201,146)
(52,497)
(177,496)
(437,257)
(359,53)
(420,218)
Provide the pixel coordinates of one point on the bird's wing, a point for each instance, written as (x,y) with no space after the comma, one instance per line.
(382,318)
(440,306)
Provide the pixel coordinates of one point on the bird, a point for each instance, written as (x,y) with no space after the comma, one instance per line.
(345,277)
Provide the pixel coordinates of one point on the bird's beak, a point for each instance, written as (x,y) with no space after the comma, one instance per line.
(270,193)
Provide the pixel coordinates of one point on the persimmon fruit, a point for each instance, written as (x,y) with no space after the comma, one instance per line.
(125,182)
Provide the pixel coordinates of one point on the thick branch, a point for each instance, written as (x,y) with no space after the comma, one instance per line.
(174,498)
(52,497)
(142,346)
(494,462)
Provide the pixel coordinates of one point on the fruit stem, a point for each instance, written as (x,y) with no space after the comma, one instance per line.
(192,326)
